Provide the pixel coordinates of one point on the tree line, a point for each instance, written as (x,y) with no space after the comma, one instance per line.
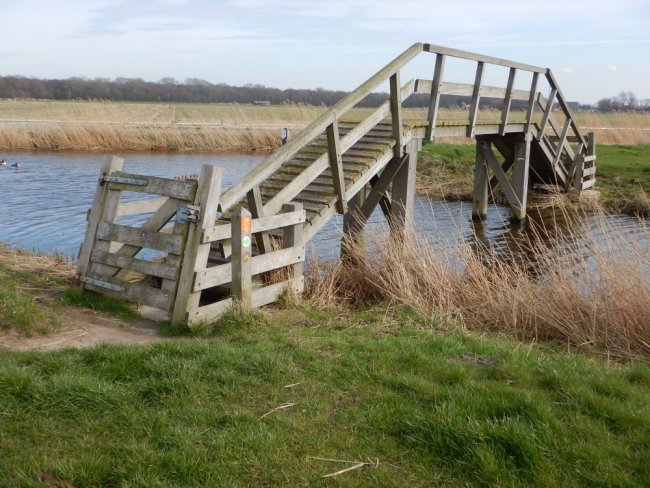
(626,101)
(194,90)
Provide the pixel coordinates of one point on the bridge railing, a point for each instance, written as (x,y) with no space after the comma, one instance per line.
(327,123)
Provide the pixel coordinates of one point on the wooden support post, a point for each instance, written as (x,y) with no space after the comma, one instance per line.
(242,284)
(520,177)
(97,214)
(507,101)
(476,99)
(435,97)
(579,165)
(396,114)
(336,165)
(403,193)
(353,224)
(480,196)
(531,102)
(293,237)
(256,207)
(196,254)
(560,144)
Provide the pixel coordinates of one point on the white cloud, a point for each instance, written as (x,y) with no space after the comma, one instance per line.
(612,67)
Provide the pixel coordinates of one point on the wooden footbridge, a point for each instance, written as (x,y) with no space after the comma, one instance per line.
(247,243)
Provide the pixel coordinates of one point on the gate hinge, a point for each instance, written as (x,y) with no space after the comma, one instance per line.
(188,214)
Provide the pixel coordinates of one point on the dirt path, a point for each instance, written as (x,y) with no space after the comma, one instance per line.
(83,328)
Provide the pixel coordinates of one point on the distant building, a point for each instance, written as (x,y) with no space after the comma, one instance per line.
(261,102)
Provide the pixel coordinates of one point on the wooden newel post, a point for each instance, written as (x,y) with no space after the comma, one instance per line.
(242,284)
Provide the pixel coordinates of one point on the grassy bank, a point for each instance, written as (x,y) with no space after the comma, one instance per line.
(623,174)
(277,401)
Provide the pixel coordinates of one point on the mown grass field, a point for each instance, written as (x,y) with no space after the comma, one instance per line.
(422,405)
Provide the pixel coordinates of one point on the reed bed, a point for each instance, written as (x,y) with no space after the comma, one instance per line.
(587,286)
(104,125)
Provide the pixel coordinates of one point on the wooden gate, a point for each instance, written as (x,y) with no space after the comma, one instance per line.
(114,259)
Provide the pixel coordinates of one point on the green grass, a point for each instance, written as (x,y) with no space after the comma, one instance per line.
(623,174)
(100,303)
(23,307)
(433,407)
(624,177)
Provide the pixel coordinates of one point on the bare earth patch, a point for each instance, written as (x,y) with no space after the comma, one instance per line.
(83,328)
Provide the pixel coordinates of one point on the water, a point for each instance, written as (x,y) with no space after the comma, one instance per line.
(44,203)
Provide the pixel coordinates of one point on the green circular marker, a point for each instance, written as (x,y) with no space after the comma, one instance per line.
(246,241)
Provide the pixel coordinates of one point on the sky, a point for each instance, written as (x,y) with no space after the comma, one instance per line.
(595,48)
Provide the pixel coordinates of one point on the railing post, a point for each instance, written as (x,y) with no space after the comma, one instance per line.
(531,102)
(242,284)
(336,165)
(435,96)
(403,192)
(507,101)
(476,98)
(396,113)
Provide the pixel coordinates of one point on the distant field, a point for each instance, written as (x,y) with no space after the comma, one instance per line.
(103,125)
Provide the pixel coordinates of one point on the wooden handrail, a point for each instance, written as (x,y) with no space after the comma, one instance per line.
(391,72)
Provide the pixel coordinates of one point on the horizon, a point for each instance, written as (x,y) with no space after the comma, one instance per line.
(337,46)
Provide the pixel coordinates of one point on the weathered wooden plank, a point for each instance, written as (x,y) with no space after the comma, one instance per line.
(139,265)
(457,53)
(396,114)
(260,297)
(521,171)
(137,237)
(507,101)
(336,165)
(256,206)
(432,115)
(476,98)
(480,195)
(531,102)
(182,190)
(403,192)
(133,292)
(564,105)
(588,184)
(506,187)
(560,146)
(380,188)
(140,206)
(263,224)
(292,238)
(467,89)
(197,253)
(588,172)
(109,165)
(242,284)
(547,112)
(262,263)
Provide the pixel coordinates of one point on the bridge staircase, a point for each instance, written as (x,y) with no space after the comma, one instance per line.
(348,164)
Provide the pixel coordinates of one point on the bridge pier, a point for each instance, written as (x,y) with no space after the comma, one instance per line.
(403,192)
(515,189)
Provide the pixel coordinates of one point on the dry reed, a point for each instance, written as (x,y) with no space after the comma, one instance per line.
(585,284)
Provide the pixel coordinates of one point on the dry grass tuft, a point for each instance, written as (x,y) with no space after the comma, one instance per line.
(589,287)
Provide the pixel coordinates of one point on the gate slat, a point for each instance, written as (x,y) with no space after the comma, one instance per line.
(183,190)
(139,265)
(134,292)
(137,237)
